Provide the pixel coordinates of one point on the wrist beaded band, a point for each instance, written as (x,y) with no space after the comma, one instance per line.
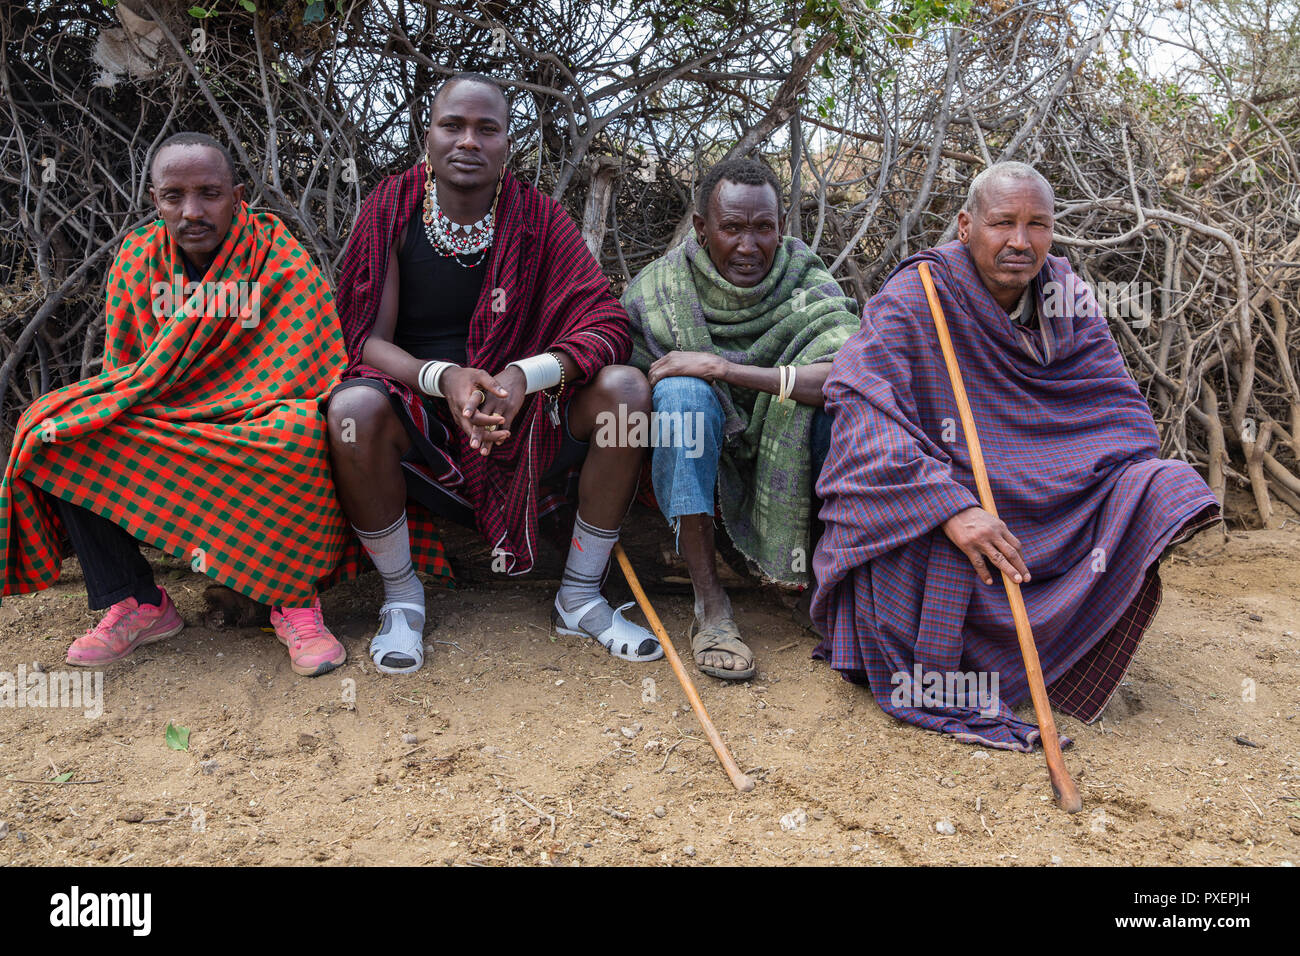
(431,375)
(541,372)
(560,391)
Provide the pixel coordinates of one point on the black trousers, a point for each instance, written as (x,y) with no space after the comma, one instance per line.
(110,558)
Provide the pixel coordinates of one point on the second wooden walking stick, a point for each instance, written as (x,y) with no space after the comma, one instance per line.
(741,782)
(1067,794)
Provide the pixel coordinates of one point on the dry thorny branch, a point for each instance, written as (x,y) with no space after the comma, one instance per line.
(1182,190)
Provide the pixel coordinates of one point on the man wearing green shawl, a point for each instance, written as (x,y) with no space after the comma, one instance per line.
(736,328)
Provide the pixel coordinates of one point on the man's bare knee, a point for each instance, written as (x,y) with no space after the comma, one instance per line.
(623,385)
(360,420)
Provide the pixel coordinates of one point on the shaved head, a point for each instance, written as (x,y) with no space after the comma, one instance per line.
(192,184)
(481,79)
(1006,226)
(193,139)
(1000,174)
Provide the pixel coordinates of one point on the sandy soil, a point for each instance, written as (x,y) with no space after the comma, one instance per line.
(513,746)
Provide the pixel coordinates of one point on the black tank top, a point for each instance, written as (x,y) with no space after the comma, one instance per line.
(436,298)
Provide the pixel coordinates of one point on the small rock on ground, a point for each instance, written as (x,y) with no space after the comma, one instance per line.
(796,819)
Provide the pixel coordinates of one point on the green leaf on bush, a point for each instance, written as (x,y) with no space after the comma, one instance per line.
(248,5)
(177,737)
(315,12)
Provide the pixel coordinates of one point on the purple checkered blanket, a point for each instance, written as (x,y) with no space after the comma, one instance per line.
(1071,450)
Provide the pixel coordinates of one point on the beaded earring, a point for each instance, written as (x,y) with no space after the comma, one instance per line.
(429,190)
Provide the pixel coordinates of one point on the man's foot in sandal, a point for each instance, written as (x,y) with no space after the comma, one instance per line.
(719,651)
(398,647)
(596,619)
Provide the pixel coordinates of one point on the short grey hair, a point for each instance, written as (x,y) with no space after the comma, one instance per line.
(1000,173)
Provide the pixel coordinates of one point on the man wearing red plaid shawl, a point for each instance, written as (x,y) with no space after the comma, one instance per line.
(483,343)
(202,436)
(906,596)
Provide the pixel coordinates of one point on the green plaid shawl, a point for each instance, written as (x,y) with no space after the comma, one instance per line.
(796,316)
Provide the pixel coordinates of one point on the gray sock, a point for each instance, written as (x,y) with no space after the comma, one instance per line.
(588,555)
(390,550)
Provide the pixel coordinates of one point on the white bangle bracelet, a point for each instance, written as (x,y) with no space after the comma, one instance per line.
(787,375)
(540,371)
(430,378)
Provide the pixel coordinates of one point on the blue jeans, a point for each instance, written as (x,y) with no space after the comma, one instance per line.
(685,467)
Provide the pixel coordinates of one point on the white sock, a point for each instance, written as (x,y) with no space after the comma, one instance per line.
(589,553)
(390,550)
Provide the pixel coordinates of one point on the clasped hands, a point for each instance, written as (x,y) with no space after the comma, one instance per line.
(483,405)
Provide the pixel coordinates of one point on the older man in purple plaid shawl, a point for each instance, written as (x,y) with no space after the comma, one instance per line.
(906,595)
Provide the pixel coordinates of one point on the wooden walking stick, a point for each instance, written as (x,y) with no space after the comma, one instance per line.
(1067,794)
(741,782)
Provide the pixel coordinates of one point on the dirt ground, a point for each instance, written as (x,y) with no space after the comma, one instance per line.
(514,746)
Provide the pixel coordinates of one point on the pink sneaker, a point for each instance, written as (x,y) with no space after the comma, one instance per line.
(313,650)
(126,626)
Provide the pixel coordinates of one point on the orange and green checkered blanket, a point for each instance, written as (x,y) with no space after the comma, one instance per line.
(202,436)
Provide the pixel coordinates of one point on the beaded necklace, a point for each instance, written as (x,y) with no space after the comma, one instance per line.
(442,232)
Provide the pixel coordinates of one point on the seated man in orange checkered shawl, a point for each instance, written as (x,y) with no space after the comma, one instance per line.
(202,434)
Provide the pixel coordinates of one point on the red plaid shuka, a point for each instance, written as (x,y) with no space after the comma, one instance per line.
(543,290)
(202,435)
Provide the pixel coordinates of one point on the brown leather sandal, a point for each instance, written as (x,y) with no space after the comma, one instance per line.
(725,637)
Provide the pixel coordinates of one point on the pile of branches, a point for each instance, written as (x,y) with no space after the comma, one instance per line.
(1200,225)
(876,114)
